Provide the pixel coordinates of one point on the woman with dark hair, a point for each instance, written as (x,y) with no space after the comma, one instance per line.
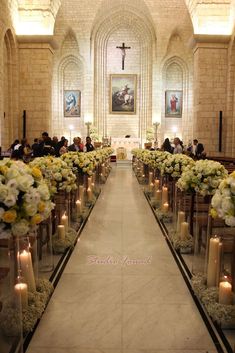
(166,146)
(64,148)
(25,151)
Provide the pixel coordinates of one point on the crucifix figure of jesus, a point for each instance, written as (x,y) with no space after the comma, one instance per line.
(123,52)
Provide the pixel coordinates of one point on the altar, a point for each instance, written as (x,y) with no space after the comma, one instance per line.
(123,147)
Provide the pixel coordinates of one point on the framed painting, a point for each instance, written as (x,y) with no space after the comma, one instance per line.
(72,103)
(173,104)
(122,94)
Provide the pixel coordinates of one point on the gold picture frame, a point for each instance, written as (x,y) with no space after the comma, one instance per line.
(123,94)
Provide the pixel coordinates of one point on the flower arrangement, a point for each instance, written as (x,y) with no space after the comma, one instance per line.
(24,198)
(94,133)
(59,176)
(154,159)
(150,134)
(223,202)
(203,177)
(175,164)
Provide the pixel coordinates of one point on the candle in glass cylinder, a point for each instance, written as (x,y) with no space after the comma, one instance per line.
(21,293)
(65,221)
(225,293)
(89,181)
(89,194)
(92,187)
(61,231)
(180,219)
(165,207)
(213,264)
(103,169)
(158,195)
(81,194)
(26,267)
(150,177)
(157,184)
(184,230)
(79,208)
(164,194)
(151,186)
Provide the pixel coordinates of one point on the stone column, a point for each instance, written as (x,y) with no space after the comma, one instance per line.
(35,83)
(210,90)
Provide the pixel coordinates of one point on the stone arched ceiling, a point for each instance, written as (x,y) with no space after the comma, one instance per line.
(208,16)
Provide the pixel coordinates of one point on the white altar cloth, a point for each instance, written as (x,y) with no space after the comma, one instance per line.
(127,144)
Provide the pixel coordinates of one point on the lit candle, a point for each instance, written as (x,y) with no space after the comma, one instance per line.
(157,184)
(79,207)
(158,195)
(89,181)
(184,230)
(225,293)
(21,293)
(220,249)
(212,267)
(81,194)
(103,169)
(164,194)
(151,186)
(150,178)
(180,219)
(165,207)
(92,186)
(89,194)
(61,231)
(26,267)
(65,221)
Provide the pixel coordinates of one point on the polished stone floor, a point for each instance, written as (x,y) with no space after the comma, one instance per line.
(121,291)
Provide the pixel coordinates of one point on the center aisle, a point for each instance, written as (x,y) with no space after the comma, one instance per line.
(121,291)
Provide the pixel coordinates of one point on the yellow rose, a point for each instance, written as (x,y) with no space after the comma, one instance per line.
(9,216)
(41,206)
(36,219)
(36,173)
(4,169)
(213,213)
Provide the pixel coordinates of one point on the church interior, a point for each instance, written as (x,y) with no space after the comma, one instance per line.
(117,176)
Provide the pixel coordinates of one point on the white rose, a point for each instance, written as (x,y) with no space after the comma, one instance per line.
(10,200)
(227,204)
(230,221)
(44,191)
(3,192)
(30,208)
(20,228)
(24,182)
(12,173)
(216,200)
(57,176)
(32,196)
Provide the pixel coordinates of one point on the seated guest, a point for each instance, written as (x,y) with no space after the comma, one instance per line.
(76,146)
(198,149)
(178,146)
(25,151)
(166,146)
(46,146)
(59,145)
(54,141)
(88,146)
(64,148)
(35,148)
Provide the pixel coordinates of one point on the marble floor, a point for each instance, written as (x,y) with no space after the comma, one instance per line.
(121,291)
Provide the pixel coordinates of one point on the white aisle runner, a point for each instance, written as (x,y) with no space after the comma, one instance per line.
(121,291)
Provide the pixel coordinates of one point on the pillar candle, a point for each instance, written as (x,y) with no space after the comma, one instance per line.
(81,194)
(158,195)
(92,187)
(26,267)
(150,177)
(89,194)
(225,293)
(65,221)
(165,207)
(89,181)
(103,169)
(180,219)
(21,293)
(61,231)
(220,249)
(151,186)
(212,267)
(184,230)
(79,208)
(164,194)
(157,183)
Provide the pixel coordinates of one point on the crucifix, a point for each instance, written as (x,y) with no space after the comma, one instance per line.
(123,52)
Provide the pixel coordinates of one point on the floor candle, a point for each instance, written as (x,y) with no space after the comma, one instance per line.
(26,267)
(92,187)
(158,195)
(225,293)
(150,177)
(164,194)
(65,221)
(21,293)
(79,208)
(89,181)
(157,184)
(184,230)
(89,194)
(151,186)
(180,219)
(213,264)
(165,207)
(81,194)
(61,231)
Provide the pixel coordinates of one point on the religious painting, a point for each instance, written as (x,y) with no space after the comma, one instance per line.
(123,94)
(72,103)
(173,104)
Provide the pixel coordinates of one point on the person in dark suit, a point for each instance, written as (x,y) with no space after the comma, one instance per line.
(198,149)
(46,145)
(76,145)
(88,146)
